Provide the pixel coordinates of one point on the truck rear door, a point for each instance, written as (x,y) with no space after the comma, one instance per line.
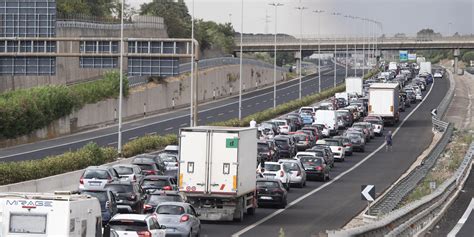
(223,170)
(193,161)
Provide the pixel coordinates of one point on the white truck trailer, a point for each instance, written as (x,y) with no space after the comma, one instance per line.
(41,215)
(425,67)
(218,171)
(384,101)
(354,85)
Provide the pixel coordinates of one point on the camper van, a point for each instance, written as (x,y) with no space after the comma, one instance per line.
(56,214)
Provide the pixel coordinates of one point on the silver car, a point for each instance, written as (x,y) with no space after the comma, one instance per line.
(128,172)
(179,218)
(171,163)
(96,177)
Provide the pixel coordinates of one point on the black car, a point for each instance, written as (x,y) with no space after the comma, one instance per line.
(156,197)
(271,192)
(129,195)
(285,145)
(315,167)
(147,165)
(108,204)
(298,121)
(267,152)
(156,158)
(158,182)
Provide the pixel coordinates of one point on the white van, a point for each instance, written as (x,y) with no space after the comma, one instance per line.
(41,215)
(328,118)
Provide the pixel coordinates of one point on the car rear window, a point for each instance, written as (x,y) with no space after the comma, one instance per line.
(267,184)
(170,210)
(291,166)
(120,188)
(155,183)
(262,147)
(156,199)
(97,174)
(272,167)
(146,166)
(128,225)
(124,170)
(333,143)
(280,123)
(281,142)
(311,161)
(300,137)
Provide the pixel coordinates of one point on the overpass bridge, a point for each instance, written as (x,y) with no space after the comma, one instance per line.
(287,43)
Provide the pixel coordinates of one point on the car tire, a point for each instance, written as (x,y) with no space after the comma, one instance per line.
(301,185)
(283,204)
(288,186)
(329,177)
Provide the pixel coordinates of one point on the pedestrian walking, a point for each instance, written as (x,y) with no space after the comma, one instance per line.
(388,141)
(253,123)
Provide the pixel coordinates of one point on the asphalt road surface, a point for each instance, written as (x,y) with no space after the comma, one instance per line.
(323,206)
(171,122)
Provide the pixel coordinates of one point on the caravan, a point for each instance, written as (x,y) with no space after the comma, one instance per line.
(40,215)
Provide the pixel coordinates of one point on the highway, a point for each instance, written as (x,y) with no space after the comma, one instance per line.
(170,122)
(322,206)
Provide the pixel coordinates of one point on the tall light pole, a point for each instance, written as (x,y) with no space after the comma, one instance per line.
(300,8)
(119,142)
(276,5)
(347,49)
(335,53)
(363,46)
(191,114)
(241,52)
(319,48)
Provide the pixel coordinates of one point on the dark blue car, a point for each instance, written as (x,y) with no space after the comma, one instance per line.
(107,202)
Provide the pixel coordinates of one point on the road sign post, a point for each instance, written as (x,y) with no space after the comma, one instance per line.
(368,194)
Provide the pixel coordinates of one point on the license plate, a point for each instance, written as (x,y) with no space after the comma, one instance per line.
(266,198)
(269,174)
(94,184)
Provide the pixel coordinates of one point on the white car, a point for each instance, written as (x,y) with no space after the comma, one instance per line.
(283,125)
(135,225)
(337,148)
(297,172)
(277,171)
(438,75)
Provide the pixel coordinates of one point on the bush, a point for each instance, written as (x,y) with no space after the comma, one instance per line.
(23,111)
(91,154)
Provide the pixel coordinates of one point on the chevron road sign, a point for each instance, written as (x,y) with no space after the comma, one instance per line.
(368,192)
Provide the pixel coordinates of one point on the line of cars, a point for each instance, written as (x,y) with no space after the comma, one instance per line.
(141,198)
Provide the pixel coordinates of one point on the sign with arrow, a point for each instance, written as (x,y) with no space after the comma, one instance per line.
(368,192)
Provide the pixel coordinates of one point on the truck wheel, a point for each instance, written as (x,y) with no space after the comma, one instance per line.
(251,211)
(239,211)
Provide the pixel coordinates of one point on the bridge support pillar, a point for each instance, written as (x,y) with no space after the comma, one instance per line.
(456,55)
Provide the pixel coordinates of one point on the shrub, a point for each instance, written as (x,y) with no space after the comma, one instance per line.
(23,111)
(148,143)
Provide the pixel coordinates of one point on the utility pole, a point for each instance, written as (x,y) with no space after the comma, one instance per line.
(301,9)
(119,142)
(276,5)
(193,121)
(241,55)
(319,48)
(335,53)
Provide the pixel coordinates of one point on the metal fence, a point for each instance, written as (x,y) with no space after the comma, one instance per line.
(216,62)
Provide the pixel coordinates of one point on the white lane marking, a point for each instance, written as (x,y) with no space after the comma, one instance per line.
(132,138)
(248,106)
(184,125)
(463,220)
(265,101)
(220,114)
(170,128)
(257,103)
(246,229)
(231,111)
(209,117)
(138,127)
(112,144)
(152,134)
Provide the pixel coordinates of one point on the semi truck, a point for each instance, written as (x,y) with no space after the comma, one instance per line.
(217,171)
(49,214)
(384,102)
(354,85)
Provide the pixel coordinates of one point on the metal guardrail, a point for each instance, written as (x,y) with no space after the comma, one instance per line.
(215,62)
(395,222)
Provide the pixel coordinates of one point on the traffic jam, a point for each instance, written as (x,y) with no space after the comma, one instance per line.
(221,173)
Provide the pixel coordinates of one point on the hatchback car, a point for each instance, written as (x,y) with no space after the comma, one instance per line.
(129,172)
(303,140)
(96,177)
(348,147)
(284,125)
(326,149)
(128,225)
(367,126)
(271,192)
(171,163)
(357,140)
(285,146)
(147,165)
(180,219)
(296,172)
(156,197)
(377,125)
(267,152)
(158,182)
(316,167)
(337,148)
(278,171)
(130,196)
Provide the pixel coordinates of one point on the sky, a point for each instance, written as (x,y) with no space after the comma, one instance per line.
(400,16)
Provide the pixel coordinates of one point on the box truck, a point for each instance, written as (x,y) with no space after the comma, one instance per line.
(329,119)
(218,171)
(425,67)
(384,101)
(56,214)
(354,85)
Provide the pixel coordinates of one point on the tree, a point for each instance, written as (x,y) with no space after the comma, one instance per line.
(427,33)
(468,57)
(175,15)
(93,8)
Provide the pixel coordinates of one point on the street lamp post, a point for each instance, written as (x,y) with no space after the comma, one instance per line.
(276,5)
(191,115)
(241,52)
(301,46)
(335,53)
(119,142)
(319,48)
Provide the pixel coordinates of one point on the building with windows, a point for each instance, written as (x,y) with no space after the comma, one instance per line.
(38,48)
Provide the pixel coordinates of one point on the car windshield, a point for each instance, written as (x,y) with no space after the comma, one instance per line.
(156,199)
(96,174)
(267,184)
(124,170)
(311,161)
(128,225)
(120,188)
(272,167)
(155,183)
(262,147)
(170,210)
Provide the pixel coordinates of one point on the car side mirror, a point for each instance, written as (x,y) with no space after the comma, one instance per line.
(163,227)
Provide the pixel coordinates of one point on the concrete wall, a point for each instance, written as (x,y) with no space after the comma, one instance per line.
(154,98)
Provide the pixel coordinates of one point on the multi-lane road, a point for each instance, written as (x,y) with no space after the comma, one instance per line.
(170,122)
(322,206)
